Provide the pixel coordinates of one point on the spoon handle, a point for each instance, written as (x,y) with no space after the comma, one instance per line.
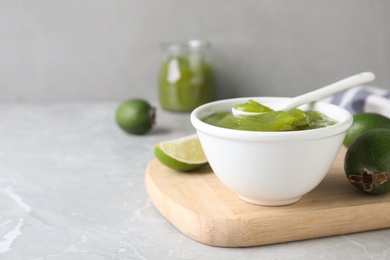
(329,90)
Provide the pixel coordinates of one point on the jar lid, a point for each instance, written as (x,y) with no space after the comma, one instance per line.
(176,47)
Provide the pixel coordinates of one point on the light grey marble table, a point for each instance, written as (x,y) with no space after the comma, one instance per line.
(72,187)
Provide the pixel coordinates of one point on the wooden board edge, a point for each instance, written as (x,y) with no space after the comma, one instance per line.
(316,224)
(236,232)
(167,207)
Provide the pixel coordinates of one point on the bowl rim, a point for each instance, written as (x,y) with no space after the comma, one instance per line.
(344,119)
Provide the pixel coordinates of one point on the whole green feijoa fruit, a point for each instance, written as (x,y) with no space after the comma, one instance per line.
(367,162)
(135,116)
(362,123)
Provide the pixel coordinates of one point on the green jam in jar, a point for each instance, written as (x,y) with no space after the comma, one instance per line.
(186,78)
(293,120)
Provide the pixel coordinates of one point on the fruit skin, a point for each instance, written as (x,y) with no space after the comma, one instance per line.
(173,163)
(135,116)
(362,123)
(367,162)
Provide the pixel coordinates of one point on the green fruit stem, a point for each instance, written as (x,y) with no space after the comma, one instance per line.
(152,115)
(368,179)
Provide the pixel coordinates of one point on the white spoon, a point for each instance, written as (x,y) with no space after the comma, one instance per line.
(317,94)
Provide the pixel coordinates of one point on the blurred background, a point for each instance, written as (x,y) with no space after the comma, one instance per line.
(108,50)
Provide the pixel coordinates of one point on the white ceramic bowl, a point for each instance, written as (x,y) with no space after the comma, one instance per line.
(270,168)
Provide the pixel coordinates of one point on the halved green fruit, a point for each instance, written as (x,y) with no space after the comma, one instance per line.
(362,123)
(367,162)
(182,154)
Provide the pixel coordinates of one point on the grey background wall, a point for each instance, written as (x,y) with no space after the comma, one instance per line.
(95,50)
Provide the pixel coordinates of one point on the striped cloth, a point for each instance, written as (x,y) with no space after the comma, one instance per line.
(363,99)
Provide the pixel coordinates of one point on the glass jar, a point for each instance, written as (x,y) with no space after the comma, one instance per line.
(186,77)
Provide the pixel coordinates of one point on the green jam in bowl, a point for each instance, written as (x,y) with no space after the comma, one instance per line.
(270,120)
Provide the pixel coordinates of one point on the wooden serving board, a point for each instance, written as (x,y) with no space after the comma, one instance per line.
(201,207)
